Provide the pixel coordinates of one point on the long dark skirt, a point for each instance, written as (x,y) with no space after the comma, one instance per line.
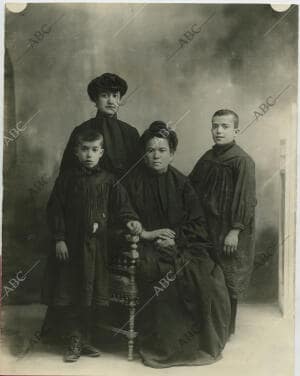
(185,310)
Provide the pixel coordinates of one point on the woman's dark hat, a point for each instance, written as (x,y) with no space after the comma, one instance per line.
(106,82)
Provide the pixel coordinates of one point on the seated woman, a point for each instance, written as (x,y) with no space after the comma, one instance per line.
(185,309)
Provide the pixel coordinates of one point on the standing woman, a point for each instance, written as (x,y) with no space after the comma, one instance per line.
(185,308)
(121,140)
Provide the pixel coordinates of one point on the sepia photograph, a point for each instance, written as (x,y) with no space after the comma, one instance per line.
(149,192)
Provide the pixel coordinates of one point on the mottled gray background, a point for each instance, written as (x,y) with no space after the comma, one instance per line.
(243,54)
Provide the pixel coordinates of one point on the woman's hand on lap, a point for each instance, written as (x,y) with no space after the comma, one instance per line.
(164,243)
(163,233)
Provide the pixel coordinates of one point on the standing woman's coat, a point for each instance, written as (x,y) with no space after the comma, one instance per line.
(121,144)
(186,309)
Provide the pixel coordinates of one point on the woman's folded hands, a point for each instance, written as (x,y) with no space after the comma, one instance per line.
(164,243)
(163,237)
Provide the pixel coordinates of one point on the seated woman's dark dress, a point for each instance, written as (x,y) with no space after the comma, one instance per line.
(185,320)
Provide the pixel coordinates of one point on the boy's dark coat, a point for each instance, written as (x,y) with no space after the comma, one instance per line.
(224,178)
(80,198)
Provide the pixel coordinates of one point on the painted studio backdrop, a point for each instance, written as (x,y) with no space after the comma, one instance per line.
(182,62)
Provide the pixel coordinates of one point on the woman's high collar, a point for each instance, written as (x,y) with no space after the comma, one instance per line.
(153,173)
(101,115)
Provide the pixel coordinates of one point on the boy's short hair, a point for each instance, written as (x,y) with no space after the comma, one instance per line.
(228,112)
(88,134)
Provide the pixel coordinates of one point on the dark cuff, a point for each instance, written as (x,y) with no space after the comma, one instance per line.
(59,237)
(128,218)
(238,226)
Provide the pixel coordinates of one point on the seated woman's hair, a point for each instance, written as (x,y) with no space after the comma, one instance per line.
(160,129)
(228,112)
(107,82)
(88,134)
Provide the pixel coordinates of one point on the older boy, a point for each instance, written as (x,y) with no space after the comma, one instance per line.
(85,199)
(224,178)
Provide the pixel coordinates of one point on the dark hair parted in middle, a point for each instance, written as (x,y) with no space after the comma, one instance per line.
(88,134)
(107,82)
(159,129)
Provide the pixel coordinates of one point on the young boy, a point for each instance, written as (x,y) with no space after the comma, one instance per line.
(84,202)
(224,178)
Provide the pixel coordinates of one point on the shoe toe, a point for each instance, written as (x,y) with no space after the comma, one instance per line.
(91,351)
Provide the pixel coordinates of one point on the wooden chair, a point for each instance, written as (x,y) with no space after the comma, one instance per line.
(124,290)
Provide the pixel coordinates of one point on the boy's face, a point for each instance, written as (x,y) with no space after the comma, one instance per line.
(89,152)
(223,131)
(108,102)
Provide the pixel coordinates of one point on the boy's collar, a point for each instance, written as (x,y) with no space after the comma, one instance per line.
(220,149)
(88,171)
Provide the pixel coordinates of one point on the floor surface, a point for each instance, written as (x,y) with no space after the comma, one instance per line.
(262,346)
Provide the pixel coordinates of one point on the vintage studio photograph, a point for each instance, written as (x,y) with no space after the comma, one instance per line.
(149,189)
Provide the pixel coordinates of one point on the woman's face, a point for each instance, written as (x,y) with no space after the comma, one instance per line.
(108,102)
(158,155)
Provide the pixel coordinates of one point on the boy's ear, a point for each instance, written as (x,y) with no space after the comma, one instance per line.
(236,130)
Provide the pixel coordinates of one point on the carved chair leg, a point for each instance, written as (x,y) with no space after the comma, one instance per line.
(131,334)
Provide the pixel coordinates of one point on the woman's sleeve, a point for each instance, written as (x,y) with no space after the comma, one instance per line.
(69,158)
(244,198)
(55,210)
(193,229)
(193,176)
(196,179)
(120,205)
(136,151)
